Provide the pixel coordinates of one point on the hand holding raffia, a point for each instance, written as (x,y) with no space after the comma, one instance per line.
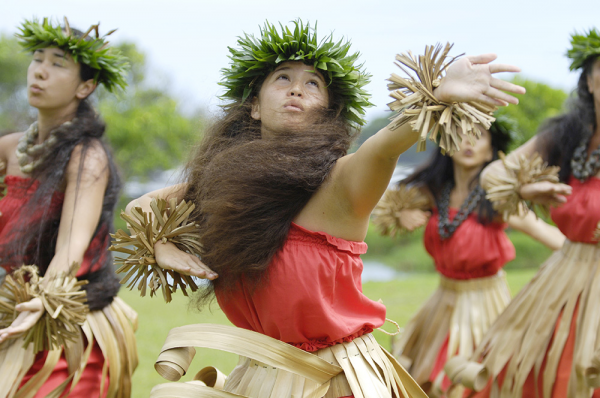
(503,190)
(64,303)
(386,215)
(417,106)
(168,222)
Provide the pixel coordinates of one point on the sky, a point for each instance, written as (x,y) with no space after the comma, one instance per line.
(186,41)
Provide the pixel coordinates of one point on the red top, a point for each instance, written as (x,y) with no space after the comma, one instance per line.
(578,218)
(473,251)
(313,298)
(12,221)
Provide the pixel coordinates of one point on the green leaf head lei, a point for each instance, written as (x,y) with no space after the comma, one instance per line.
(108,64)
(255,58)
(584,46)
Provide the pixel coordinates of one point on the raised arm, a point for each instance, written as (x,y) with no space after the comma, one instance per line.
(359,180)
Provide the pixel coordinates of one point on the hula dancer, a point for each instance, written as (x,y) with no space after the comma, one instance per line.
(466,239)
(282,211)
(546,342)
(60,335)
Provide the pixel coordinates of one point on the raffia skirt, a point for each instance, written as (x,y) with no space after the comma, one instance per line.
(452,321)
(111,328)
(269,368)
(547,341)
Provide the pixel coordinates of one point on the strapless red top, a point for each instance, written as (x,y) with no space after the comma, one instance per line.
(578,218)
(313,298)
(474,250)
(14,221)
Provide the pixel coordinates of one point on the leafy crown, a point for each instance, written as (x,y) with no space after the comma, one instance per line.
(109,65)
(254,58)
(584,46)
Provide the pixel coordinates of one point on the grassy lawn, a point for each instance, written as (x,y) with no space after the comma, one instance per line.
(402,298)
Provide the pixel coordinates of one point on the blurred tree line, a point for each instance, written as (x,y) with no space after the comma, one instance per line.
(145,126)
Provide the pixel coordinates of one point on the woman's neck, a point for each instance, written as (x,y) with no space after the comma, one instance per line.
(464,178)
(49,120)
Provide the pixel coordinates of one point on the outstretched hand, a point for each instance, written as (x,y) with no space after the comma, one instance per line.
(471,79)
(545,193)
(30,312)
(168,256)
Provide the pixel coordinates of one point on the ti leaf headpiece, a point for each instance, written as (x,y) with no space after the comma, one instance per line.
(255,58)
(109,65)
(583,47)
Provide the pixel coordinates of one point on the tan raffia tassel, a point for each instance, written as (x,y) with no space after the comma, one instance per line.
(64,303)
(386,215)
(168,222)
(417,106)
(503,190)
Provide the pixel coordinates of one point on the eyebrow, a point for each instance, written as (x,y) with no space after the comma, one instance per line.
(315,72)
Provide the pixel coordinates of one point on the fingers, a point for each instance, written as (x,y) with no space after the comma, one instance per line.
(501,96)
(497,68)
(490,101)
(507,86)
(201,270)
(482,58)
(561,189)
(33,305)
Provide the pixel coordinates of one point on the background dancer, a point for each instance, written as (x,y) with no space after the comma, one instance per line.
(546,343)
(62,189)
(466,239)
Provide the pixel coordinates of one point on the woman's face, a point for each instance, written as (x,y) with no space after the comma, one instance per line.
(474,156)
(594,82)
(287,97)
(53,80)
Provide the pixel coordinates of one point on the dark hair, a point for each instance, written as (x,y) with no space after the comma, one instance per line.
(247,190)
(560,135)
(439,169)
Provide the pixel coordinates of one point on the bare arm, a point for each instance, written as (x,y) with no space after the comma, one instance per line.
(539,230)
(357,182)
(172,192)
(82,207)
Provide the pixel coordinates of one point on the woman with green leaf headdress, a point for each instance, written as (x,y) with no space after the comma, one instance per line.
(63,331)
(547,342)
(465,237)
(282,210)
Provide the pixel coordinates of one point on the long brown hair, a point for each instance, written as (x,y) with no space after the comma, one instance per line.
(247,190)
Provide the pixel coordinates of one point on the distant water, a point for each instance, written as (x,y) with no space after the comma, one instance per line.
(375,271)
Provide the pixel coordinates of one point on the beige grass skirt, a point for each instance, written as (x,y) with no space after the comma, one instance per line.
(460,311)
(269,368)
(536,324)
(112,328)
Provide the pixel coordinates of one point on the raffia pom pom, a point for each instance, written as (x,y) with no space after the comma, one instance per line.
(417,106)
(168,222)
(64,303)
(503,190)
(386,215)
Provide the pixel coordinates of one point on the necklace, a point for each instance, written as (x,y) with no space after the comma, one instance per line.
(446,227)
(31,155)
(583,169)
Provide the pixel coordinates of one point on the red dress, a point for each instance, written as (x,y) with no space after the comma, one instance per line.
(573,271)
(19,191)
(471,294)
(313,298)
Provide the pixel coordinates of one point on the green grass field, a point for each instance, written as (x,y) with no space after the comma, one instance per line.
(156,318)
